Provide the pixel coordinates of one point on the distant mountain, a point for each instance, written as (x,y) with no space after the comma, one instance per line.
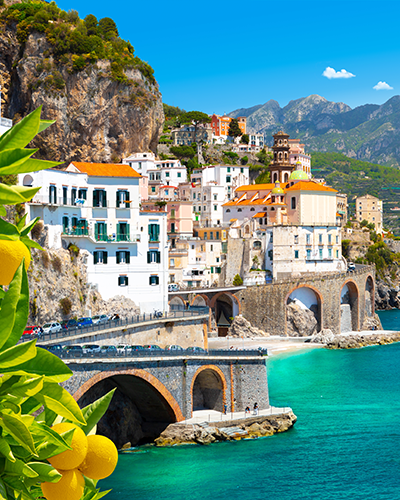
(370,132)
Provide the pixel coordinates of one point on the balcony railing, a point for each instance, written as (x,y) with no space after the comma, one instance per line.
(108,238)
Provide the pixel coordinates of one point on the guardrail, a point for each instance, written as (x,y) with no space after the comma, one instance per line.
(146,353)
(115,323)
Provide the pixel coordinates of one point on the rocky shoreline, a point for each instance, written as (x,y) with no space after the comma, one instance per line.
(233,430)
(357,341)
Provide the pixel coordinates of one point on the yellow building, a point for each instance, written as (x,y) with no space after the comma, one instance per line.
(370,208)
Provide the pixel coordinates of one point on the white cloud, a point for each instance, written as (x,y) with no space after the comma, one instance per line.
(382,86)
(331,73)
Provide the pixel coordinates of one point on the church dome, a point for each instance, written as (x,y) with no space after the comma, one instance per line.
(298,175)
(277,189)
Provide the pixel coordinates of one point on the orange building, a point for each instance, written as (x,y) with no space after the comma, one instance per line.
(220,124)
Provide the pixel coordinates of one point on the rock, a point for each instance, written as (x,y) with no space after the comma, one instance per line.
(300,322)
(323,337)
(126,446)
(356,341)
(240,327)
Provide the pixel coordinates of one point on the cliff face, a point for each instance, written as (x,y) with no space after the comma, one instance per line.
(98,118)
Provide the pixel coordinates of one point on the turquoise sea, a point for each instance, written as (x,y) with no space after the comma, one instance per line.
(345,444)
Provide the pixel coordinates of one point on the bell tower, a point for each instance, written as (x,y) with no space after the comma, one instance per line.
(281,168)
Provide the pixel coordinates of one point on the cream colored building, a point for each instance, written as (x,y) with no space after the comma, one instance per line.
(370,208)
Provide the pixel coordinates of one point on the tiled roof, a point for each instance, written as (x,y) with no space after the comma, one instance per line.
(260,187)
(105,169)
(310,186)
(259,215)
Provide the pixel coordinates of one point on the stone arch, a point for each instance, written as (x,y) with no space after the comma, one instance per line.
(208,388)
(176,302)
(349,307)
(308,298)
(286,177)
(201,300)
(275,177)
(224,306)
(369,296)
(141,408)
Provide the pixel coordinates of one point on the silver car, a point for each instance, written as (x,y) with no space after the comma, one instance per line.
(100,318)
(90,348)
(52,327)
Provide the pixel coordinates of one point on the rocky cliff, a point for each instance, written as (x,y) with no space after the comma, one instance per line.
(103,111)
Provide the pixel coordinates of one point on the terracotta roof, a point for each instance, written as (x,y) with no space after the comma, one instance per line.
(259,215)
(260,187)
(310,186)
(105,169)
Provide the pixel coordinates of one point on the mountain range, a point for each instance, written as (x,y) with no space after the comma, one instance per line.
(370,132)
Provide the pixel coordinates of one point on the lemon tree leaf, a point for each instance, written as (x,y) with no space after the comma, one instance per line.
(21,222)
(3,491)
(45,124)
(3,211)
(18,430)
(29,165)
(11,195)
(45,363)
(5,450)
(60,401)
(28,228)
(19,468)
(17,354)
(51,446)
(12,158)
(23,132)
(45,472)
(30,243)
(95,495)
(93,412)
(11,300)
(8,229)
(26,388)
(18,487)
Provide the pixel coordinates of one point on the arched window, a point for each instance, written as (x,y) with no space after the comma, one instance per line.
(280,156)
(272,208)
(293,203)
(28,181)
(286,177)
(252,209)
(275,177)
(257,245)
(228,210)
(247,230)
(273,199)
(239,209)
(266,221)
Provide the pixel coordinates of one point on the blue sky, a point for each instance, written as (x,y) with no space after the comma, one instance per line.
(217,57)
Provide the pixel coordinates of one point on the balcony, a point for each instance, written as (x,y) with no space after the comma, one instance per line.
(112,238)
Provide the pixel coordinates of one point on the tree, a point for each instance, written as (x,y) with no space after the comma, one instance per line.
(234,129)
(196,118)
(237,280)
(182,152)
(245,139)
(264,157)
(91,24)
(108,28)
(244,160)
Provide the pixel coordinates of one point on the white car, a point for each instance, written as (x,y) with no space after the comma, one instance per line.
(100,318)
(52,327)
(90,348)
(123,348)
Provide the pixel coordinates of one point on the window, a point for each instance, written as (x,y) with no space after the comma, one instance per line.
(123,231)
(99,198)
(212,270)
(205,236)
(228,169)
(166,192)
(296,254)
(308,239)
(320,238)
(100,257)
(211,247)
(228,178)
(329,239)
(153,256)
(199,209)
(53,195)
(179,174)
(217,260)
(241,170)
(153,189)
(337,254)
(330,253)
(204,208)
(82,194)
(122,198)
(296,239)
(65,193)
(65,223)
(239,209)
(139,165)
(211,235)
(154,232)
(152,177)
(293,203)
(166,174)
(337,239)
(308,252)
(122,280)
(270,255)
(217,235)
(173,227)
(194,208)
(215,197)
(204,198)
(257,245)
(123,257)
(215,208)
(171,262)
(100,231)
(154,280)
(73,196)
(252,209)
(228,211)
(320,253)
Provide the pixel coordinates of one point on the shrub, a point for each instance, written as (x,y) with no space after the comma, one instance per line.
(244,160)
(65,305)
(37,230)
(57,264)
(73,250)
(45,259)
(237,280)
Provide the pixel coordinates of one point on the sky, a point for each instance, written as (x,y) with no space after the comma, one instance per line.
(219,56)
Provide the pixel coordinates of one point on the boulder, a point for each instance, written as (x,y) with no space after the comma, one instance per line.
(300,322)
(323,337)
(240,327)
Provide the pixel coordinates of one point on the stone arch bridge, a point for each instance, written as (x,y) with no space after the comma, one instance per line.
(154,392)
(340,302)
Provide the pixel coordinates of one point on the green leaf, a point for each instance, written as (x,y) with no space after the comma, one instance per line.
(51,445)
(3,212)
(11,195)
(30,243)
(23,132)
(8,229)
(15,309)
(45,363)
(46,473)
(95,495)
(18,487)
(18,430)
(59,400)
(29,165)
(19,468)
(26,229)
(27,387)
(18,354)
(30,405)
(3,492)
(13,158)
(21,222)
(93,412)
(45,124)
(5,450)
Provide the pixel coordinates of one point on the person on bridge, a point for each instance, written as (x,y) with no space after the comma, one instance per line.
(255,409)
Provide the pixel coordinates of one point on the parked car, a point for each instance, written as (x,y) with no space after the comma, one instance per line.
(173,287)
(108,349)
(84,322)
(100,318)
(173,347)
(90,348)
(56,348)
(196,349)
(52,327)
(71,323)
(351,266)
(74,349)
(136,348)
(32,330)
(152,347)
(123,348)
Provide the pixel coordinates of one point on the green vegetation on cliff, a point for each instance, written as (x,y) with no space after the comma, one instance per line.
(75,43)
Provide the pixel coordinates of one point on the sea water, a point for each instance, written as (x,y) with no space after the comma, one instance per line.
(345,444)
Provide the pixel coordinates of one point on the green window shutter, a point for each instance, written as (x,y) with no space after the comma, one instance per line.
(128,257)
(157,227)
(104,198)
(118,198)
(96,232)
(158,257)
(95,198)
(118,231)
(212,270)
(105,257)
(127,232)
(157,280)
(148,257)
(127,205)
(95,257)
(119,280)
(118,254)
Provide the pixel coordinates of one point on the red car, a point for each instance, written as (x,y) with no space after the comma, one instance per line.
(29,330)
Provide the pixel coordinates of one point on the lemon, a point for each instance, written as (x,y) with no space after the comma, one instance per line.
(69,487)
(101,458)
(70,459)
(11,255)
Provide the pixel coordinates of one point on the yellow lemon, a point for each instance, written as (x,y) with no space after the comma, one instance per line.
(69,487)
(101,458)
(11,255)
(70,459)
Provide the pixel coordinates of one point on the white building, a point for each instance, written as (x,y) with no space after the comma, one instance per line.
(229,176)
(96,207)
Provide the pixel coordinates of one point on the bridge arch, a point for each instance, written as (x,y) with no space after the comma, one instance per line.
(176,302)
(225,306)
(369,296)
(208,389)
(201,300)
(349,306)
(306,297)
(141,408)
